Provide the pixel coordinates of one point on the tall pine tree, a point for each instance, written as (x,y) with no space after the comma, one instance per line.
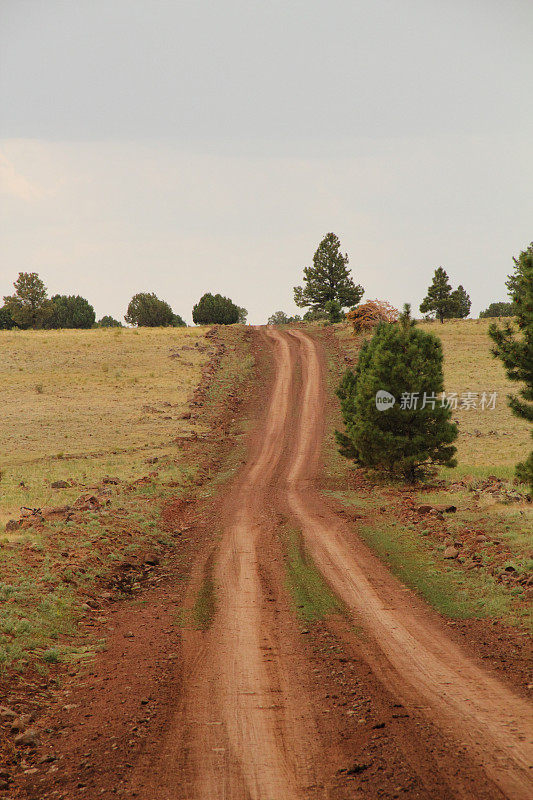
(439,298)
(461,303)
(514,345)
(328,278)
(416,431)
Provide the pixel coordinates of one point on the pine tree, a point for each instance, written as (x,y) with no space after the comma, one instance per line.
(514,346)
(178,321)
(334,311)
(147,310)
(439,298)
(407,437)
(501,309)
(6,320)
(71,311)
(213,309)
(461,303)
(281,318)
(108,321)
(29,307)
(328,278)
(346,392)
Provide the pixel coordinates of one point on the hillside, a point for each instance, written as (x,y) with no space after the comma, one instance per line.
(80,405)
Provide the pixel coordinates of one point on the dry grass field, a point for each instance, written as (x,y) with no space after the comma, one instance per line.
(79,405)
(107,412)
(490,441)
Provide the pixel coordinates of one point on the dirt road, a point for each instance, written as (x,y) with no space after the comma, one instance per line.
(250,727)
(253,735)
(253,709)
(419,660)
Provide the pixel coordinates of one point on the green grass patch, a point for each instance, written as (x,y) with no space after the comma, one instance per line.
(468,472)
(204,608)
(367,502)
(450,590)
(312,597)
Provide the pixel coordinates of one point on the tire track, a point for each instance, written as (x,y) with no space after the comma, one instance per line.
(420,661)
(251,736)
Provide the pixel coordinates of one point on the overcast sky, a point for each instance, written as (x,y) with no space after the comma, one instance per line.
(188,146)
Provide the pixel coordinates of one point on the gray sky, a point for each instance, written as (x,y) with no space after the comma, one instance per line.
(183,147)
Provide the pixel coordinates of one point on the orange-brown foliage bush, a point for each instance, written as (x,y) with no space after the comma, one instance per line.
(367,315)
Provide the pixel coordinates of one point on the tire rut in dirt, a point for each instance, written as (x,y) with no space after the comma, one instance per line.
(419,662)
(249,733)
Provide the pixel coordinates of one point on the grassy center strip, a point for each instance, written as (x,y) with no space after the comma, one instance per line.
(311,596)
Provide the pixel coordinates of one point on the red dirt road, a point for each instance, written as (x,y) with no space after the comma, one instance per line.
(249,722)
(254,712)
(250,731)
(421,662)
